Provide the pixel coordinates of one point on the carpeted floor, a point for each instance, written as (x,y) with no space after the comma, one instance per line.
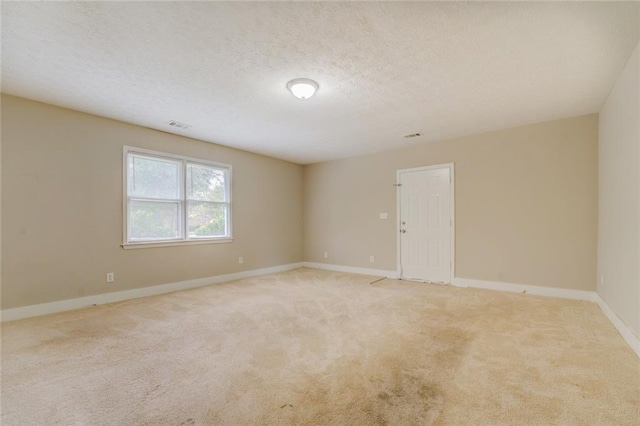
(327,348)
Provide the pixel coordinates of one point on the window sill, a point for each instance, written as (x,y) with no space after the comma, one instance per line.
(130,246)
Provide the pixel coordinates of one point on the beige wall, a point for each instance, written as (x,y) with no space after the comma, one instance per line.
(526,204)
(619,204)
(62,208)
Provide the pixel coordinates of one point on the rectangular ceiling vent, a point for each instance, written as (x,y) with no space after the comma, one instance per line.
(179,125)
(412,135)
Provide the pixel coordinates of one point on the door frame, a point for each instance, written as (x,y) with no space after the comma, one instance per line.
(452,198)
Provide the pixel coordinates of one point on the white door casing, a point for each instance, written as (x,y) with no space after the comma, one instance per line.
(426,223)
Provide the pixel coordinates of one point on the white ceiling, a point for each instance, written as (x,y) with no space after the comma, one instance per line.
(384,69)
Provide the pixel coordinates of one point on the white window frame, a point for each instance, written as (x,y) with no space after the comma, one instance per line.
(183,202)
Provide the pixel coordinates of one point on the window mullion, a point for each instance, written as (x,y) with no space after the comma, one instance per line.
(207,214)
(184,202)
(155,200)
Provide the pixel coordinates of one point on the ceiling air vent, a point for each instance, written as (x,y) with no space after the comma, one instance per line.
(179,125)
(412,135)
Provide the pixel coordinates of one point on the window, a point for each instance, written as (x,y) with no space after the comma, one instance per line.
(174,199)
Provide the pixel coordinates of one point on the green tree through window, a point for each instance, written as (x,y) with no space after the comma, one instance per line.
(175,198)
(206,194)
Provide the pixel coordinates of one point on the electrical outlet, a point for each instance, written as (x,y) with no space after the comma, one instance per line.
(372,259)
(241,259)
(326,255)
(110,277)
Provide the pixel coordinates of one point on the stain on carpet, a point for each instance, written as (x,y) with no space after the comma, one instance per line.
(321,348)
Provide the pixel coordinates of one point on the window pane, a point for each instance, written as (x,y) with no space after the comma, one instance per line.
(151,177)
(205,183)
(150,220)
(207,219)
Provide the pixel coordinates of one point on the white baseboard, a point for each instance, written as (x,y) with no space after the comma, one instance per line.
(626,333)
(352,269)
(591,296)
(563,293)
(99,299)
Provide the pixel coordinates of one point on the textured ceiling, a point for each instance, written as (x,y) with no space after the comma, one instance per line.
(384,69)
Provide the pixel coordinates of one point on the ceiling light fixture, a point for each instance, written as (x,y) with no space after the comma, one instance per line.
(302,88)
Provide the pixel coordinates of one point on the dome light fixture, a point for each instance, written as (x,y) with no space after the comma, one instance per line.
(302,88)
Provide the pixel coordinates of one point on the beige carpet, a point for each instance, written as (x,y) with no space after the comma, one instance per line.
(316,347)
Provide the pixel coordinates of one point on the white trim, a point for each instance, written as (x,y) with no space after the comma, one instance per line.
(171,156)
(163,243)
(626,333)
(563,293)
(352,269)
(99,299)
(183,201)
(452,196)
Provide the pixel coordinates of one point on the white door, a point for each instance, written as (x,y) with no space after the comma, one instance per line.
(425,224)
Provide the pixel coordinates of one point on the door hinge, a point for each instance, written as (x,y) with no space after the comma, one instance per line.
(397,184)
